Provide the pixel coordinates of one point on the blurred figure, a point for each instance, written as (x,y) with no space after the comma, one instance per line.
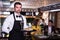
(42,23)
(49,29)
(36,26)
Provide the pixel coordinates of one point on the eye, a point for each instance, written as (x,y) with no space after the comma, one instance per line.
(16,7)
(19,7)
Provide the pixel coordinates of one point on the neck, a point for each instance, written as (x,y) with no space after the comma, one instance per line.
(17,13)
(50,26)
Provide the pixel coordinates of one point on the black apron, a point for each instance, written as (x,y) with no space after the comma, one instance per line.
(16,33)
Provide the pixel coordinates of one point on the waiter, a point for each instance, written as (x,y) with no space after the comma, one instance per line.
(14,23)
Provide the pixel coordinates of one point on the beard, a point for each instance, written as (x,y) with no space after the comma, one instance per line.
(18,11)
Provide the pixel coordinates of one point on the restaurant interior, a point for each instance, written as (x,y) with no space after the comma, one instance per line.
(44,10)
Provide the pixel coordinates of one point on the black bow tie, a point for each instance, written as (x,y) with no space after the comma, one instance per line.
(18,16)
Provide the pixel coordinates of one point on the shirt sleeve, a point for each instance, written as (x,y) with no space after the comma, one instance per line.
(25,23)
(6,24)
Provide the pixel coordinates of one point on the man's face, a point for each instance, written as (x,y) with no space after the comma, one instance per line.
(18,8)
(50,24)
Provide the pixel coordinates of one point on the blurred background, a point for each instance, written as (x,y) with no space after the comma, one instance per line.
(32,9)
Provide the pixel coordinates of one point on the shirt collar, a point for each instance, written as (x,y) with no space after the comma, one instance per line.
(16,14)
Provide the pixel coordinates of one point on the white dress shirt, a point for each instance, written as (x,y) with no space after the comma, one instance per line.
(9,22)
(49,30)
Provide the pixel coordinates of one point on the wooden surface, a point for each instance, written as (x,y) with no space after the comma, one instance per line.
(4,16)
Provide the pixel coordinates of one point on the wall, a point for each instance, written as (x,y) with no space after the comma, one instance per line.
(58,19)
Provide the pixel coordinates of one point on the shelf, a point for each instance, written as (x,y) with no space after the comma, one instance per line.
(4,16)
(30,16)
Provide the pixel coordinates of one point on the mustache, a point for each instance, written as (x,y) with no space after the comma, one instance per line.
(19,10)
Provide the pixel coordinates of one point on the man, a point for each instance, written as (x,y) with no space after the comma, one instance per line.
(15,23)
(49,29)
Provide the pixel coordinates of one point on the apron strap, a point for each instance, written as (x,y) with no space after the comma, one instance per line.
(22,20)
(14,17)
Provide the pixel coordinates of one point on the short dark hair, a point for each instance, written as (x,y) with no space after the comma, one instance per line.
(17,3)
(51,21)
(35,22)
